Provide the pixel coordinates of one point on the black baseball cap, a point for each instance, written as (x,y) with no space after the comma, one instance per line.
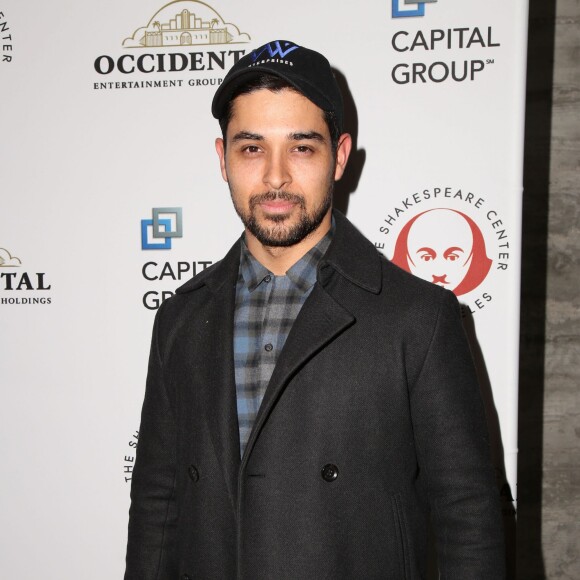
(306,70)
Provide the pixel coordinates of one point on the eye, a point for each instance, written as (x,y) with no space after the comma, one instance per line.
(303,149)
(251,149)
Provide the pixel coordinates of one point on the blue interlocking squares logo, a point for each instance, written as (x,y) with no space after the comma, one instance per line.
(166,223)
(408,8)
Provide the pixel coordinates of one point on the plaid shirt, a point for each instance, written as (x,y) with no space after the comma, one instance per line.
(266,308)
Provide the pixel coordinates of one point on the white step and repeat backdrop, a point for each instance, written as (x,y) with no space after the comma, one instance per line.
(111,198)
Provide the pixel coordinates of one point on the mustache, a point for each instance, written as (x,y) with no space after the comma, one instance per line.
(276,195)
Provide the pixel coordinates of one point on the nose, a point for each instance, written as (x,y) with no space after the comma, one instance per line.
(277,174)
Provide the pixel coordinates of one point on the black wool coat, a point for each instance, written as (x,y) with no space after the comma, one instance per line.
(372,421)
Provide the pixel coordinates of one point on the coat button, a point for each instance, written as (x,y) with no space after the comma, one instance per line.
(329,472)
(193,473)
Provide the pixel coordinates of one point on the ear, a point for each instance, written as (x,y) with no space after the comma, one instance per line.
(221,151)
(342,153)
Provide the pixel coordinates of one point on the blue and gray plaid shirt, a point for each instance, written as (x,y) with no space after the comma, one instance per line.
(266,308)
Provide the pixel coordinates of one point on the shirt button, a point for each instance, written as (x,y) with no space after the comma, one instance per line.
(268,278)
(269,347)
(329,472)
(193,473)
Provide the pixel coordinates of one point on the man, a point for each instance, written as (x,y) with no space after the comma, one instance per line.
(308,404)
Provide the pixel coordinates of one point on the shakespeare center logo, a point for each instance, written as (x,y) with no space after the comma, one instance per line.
(19,287)
(5,39)
(129,458)
(186,43)
(450,237)
(157,233)
(408,8)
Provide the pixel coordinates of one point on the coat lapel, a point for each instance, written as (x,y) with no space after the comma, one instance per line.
(320,321)
(216,360)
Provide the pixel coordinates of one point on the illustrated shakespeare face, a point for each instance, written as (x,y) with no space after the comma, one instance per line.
(445,247)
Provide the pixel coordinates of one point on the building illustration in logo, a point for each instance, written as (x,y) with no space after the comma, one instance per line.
(185,23)
(166,223)
(408,8)
(7,260)
(446,247)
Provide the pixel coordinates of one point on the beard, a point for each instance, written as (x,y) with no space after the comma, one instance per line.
(272,230)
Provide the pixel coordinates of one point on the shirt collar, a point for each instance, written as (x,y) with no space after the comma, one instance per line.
(302,274)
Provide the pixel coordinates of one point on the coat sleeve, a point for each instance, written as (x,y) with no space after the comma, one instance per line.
(152,516)
(453,452)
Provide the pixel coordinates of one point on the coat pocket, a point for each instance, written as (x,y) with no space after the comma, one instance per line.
(402,538)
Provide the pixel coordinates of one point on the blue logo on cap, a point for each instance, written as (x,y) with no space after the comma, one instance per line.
(274,49)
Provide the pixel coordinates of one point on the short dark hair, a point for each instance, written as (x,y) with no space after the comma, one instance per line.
(274,84)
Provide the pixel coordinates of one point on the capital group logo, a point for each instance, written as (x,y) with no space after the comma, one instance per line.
(21,287)
(409,8)
(158,231)
(450,237)
(184,36)
(453,53)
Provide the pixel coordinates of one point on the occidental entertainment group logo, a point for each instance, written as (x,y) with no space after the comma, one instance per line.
(408,8)
(187,38)
(157,233)
(450,237)
(19,287)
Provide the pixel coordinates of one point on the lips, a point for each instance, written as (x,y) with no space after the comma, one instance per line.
(278,206)
(276,202)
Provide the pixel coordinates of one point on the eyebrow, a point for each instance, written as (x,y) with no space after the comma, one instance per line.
(298,136)
(309,135)
(246,135)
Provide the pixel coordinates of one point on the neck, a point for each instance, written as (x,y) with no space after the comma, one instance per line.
(279,259)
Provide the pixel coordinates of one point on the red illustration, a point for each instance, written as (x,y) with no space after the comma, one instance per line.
(446,247)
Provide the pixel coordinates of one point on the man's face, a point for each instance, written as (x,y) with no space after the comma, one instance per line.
(440,247)
(279,165)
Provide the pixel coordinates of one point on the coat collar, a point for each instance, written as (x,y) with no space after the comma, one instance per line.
(350,254)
